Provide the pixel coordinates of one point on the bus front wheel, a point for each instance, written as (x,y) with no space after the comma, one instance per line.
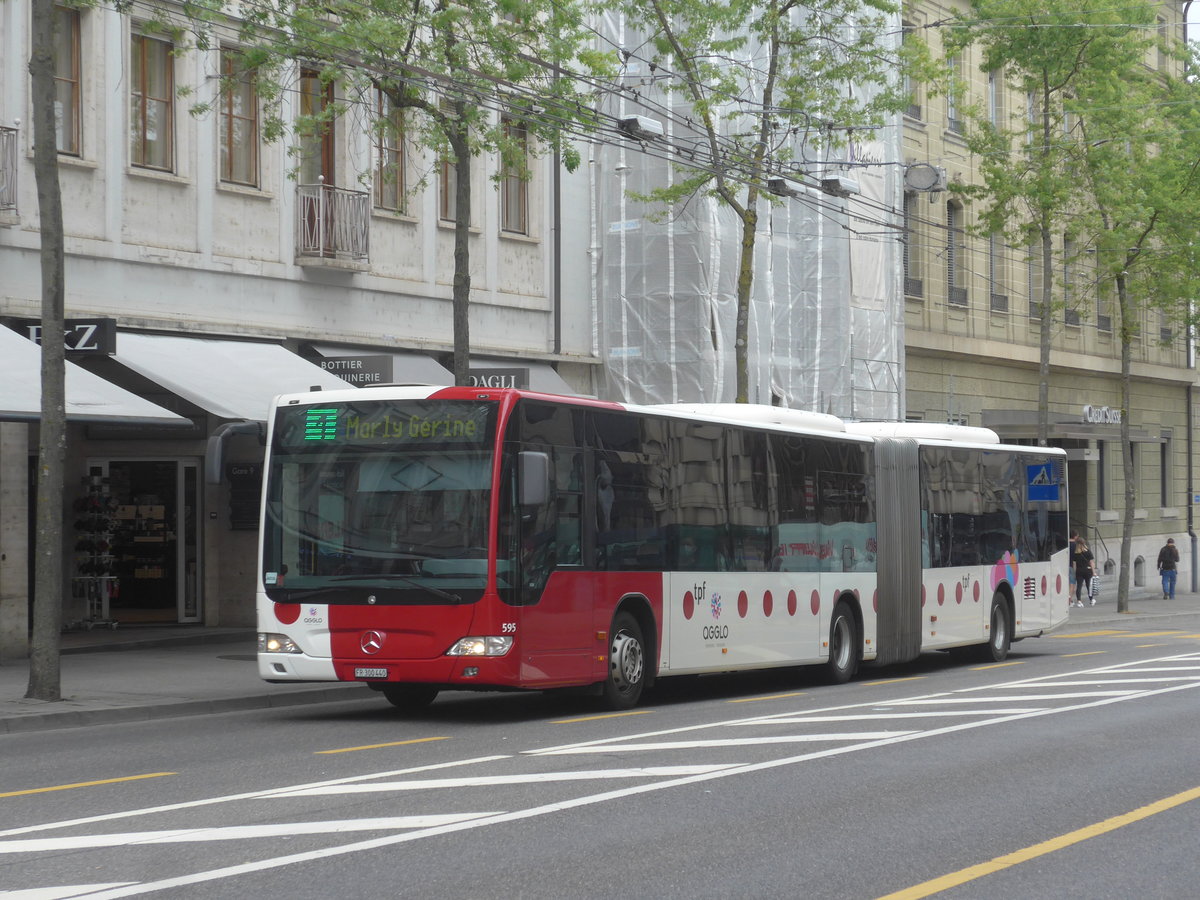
(409,697)
(626,664)
(843,645)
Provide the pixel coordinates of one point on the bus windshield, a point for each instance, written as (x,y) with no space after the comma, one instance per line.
(386,499)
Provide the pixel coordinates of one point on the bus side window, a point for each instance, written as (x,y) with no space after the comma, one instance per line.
(568,465)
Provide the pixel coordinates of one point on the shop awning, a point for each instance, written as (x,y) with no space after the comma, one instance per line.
(230,379)
(1017,424)
(89,398)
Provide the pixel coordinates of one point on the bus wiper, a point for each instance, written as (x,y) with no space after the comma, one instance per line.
(407,579)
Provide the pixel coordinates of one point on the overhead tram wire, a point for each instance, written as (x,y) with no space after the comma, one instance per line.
(610,135)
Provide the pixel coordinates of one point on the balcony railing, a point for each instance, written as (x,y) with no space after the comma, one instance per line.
(332,223)
(8,169)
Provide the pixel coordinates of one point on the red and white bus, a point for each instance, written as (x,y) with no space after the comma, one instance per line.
(421,539)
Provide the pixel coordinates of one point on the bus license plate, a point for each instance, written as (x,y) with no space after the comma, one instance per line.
(370,673)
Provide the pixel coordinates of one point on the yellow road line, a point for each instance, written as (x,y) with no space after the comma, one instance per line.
(971,873)
(1080,634)
(1146,634)
(633,712)
(893,680)
(379,746)
(1148,646)
(80,784)
(1084,653)
(766,697)
(999,665)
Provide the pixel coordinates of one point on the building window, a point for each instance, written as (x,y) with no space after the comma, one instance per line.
(1164,471)
(996,99)
(1033,280)
(151,103)
(956,291)
(316,134)
(514,183)
(914,285)
(390,165)
(1103,304)
(66,80)
(239,121)
(911,89)
(954,120)
(997,272)
(1165,333)
(447,190)
(1070,311)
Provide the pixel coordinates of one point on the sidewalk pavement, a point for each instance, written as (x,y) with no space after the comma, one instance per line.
(137,673)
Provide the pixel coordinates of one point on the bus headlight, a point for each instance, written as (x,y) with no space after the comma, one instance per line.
(491,645)
(277,643)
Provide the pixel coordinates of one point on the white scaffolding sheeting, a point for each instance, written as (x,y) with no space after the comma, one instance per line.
(826,313)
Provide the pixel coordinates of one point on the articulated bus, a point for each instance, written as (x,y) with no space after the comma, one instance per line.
(423,539)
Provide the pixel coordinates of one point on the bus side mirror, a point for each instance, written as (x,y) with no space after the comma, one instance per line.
(533,473)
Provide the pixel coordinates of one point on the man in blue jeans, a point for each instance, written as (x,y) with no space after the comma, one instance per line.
(1168,559)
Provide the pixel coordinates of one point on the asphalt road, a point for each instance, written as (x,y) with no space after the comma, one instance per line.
(1071,770)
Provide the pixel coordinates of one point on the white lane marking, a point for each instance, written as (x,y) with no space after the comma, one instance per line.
(735,742)
(801,718)
(593,799)
(1076,695)
(61,892)
(229,798)
(497,780)
(233,832)
(1094,681)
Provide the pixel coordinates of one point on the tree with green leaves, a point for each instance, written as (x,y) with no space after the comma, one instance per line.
(1105,158)
(1048,52)
(457,79)
(773,87)
(1139,155)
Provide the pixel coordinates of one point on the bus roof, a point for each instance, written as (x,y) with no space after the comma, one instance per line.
(926,431)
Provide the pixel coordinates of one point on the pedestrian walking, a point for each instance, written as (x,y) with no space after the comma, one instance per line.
(1085,567)
(1168,562)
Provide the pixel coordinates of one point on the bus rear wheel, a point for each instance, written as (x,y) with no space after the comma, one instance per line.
(999,632)
(409,697)
(626,664)
(843,645)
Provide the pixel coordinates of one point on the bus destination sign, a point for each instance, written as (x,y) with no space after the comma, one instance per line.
(401,423)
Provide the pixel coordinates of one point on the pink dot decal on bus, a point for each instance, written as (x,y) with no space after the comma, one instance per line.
(815,603)
(689,605)
(768,604)
(287,613)
(941,594)
(975,591)
(743,604)
(922,596)
(793,602)
(958,594)
(1043,584)
(875,601)
(1058,584)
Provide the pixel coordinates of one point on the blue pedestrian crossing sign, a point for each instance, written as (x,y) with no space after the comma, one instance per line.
(1041,483)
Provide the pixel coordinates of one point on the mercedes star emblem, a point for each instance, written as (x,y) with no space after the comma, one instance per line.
(371,642)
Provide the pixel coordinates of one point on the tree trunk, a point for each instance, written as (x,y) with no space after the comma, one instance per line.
(1045,335)
(45,681)
(1126,445)
(745,283)
(1046,332)
(462,248)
